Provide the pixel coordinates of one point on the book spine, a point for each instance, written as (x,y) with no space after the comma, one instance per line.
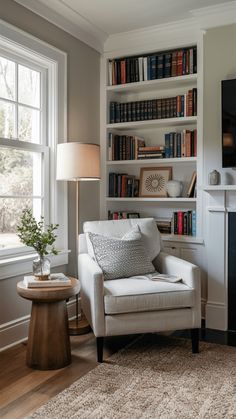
(136,69)
(174,64)
(180,222)
(194,227)
(167,145)
(145,74)
(167,67)
(140,68)
(175,223)
(123,71)
(153,65)
(110,73)
(112,112)
(149,68)
(127,70)
(110,146)
(160,66)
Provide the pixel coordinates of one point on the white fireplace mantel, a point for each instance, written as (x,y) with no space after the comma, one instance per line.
(220,200)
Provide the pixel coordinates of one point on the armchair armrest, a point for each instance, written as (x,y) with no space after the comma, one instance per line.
(190,274)
(168,264)
(92,293)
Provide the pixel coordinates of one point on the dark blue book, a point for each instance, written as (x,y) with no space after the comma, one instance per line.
(167,145)
(153,67)
(117,112)
(160,66)
(112,112)
(172,144)
(167,65)
(178,134)
(182,105)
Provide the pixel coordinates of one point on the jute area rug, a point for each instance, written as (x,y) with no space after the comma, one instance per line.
(155,377)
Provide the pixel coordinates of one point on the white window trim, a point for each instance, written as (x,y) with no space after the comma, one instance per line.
(55,62)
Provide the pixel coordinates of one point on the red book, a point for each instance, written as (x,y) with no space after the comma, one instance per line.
(122,72)
(180,222)
(180,63)
(123,186)
(190,103)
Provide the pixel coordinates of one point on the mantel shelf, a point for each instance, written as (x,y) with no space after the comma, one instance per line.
(211,188)
(169,200)
(167,122)
(161,84)
(141,162)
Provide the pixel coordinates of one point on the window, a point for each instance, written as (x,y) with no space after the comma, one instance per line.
(23,145)
(32,122)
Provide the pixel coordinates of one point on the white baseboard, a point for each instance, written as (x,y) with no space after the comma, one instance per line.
(216,316)
(16,331)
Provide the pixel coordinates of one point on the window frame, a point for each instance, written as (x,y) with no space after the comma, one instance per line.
(53,63)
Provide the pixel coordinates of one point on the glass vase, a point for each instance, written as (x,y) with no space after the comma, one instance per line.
(41,268)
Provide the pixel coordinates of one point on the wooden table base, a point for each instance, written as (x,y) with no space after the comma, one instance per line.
(48,345)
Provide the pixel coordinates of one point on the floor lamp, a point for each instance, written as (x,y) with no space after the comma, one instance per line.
(78,162)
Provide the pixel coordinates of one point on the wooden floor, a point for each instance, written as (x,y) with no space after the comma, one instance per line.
(23,390)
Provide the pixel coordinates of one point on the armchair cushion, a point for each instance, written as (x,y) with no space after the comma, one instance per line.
(140,293)
(121,258)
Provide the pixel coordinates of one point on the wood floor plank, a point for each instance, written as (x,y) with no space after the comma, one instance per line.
(23,390)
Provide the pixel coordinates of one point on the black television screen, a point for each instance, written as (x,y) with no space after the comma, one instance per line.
(228,100)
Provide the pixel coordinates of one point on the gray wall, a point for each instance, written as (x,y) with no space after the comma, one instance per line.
(219,62)
(83,125)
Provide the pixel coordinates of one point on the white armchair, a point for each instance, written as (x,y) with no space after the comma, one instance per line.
(137,304)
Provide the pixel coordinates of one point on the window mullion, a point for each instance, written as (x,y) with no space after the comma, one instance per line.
(16,106)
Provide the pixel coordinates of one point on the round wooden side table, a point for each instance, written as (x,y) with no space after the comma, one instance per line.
(48,345)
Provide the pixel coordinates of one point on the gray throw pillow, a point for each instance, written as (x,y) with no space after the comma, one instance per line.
(121,258)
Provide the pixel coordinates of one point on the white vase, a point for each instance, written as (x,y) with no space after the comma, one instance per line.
(174,188)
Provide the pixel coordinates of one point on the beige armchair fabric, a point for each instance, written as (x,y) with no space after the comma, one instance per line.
(138,304)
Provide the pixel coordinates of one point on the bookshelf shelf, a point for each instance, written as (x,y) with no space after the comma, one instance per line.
(160,84)
(158,162)
(154,123)
(169,200)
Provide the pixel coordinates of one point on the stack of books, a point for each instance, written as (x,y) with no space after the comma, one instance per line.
(154,66)
(55,280)
(142,110)
(152,152)
(164,225)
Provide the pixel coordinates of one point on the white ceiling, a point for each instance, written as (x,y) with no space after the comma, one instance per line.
(114,16)
(102,18)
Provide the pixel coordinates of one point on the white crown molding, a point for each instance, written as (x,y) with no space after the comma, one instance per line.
(77,26)
(152,37)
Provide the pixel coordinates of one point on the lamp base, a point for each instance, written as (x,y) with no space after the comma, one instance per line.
(79,326)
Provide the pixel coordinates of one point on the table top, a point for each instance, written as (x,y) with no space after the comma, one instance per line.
(49,294)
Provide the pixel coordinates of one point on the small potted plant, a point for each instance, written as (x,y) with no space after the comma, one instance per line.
(41,238)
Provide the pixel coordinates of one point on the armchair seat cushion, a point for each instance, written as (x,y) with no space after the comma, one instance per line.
(140,293)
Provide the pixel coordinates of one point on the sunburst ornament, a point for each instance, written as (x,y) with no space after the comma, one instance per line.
(155,183)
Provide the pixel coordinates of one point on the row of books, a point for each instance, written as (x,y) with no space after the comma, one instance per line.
(123,186)
(122,215)
(181,223)
(184,223)
(151,152)
(181,144)
(170,107)
(155,66)
(124,147)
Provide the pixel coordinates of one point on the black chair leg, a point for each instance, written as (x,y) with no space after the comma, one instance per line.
(100,349)
(195,340)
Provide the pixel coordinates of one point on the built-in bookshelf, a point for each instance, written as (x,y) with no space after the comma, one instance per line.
(150,120)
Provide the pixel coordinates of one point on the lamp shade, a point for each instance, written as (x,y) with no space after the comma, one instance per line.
(78,161)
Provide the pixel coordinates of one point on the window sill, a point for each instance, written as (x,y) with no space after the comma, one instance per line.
(20,265)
